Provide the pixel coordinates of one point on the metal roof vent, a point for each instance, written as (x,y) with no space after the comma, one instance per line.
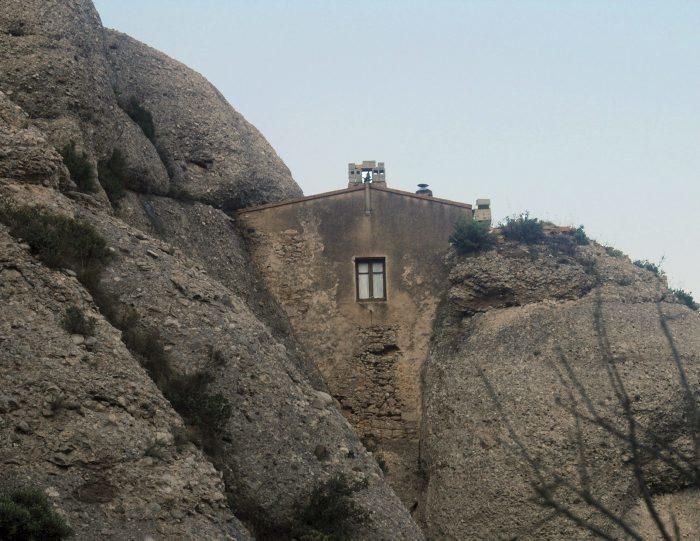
(423,190)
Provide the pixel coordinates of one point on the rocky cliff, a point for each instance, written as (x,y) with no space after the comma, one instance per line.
(150,386)
(537,354)
(172,309)
(79,82)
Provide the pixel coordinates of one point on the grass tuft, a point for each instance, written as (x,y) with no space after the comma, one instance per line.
(330,513)
(648,265)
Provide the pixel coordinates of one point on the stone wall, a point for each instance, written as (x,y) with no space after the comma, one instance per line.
(369,353)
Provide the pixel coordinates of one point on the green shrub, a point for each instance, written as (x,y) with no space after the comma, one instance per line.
(470,236)
(146,344)
(613,252)
(26,515)
(625,281)
(563,244)
(80,169)
(142,117)
(523,229)
(60,242)
(331,513)
(208,413)
(648,265)
(75,322)
(686,298)
(112,176)
(580,236)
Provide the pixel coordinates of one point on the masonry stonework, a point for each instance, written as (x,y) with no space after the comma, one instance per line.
(370,353)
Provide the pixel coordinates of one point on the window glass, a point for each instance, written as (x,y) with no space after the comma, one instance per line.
(378,286)
(370,275)
(363,285)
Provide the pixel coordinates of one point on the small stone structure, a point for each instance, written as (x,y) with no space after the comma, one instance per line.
(360,273)
(483,211)
(366,171)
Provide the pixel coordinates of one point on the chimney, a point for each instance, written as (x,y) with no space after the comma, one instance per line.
(483,211)
(424,190)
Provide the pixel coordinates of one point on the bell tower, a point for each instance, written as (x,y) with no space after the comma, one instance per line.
(367,171)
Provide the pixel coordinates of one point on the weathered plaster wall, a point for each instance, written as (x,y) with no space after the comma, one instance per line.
(370,353)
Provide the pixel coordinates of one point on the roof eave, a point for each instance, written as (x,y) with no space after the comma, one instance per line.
(353,189)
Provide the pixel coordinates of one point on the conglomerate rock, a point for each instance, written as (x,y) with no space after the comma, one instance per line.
(25,154)
(53,65)
(110,453)
(505,370)
(211,152)
(77,81)
(270,456)
(211,237)
(82,421)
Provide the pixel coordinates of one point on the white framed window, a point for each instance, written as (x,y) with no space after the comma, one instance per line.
(370,278)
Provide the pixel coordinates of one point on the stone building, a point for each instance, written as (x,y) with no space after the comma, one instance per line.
(359,272)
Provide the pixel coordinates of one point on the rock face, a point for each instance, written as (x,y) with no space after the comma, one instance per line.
(268,456)
(211,152)
(25,154)
(522,339)
(53,65)
(520,342)
(112,448)
(75,81)
(81,419)
(210,236)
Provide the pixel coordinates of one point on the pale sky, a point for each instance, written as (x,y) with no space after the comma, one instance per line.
(582,112)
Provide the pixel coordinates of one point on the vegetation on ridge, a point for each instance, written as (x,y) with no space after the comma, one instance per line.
(613,252)
(470,236)
(26,515)
(648,265)
(684,297)
(522,228)
(205,413)
(580,236)
(75,322)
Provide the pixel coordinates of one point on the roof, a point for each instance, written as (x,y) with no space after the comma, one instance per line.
(355,189)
